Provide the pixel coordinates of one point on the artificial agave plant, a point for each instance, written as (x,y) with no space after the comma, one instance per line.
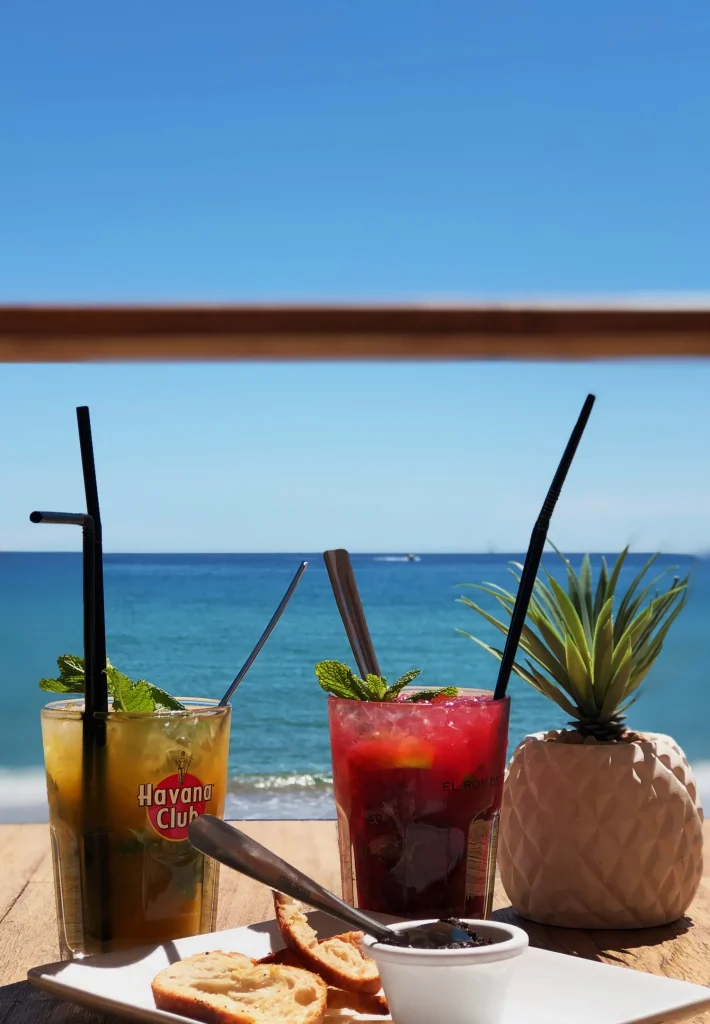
(589,648)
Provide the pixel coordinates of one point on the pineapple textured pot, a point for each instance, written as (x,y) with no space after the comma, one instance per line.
(600,826)
(600,835)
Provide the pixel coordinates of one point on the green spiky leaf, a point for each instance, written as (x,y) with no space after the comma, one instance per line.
(601,596)
(588,648)
(602,652)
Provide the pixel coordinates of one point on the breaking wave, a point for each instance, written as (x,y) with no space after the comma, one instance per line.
(23,796)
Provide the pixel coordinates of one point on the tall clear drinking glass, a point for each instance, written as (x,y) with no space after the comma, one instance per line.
(418,788)
(162,769)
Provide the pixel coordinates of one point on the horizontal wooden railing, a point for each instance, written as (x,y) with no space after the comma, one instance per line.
(88,333)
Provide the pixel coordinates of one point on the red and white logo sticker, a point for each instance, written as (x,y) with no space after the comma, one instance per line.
(173,803)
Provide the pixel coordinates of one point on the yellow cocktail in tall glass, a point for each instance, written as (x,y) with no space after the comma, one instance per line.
(162,769)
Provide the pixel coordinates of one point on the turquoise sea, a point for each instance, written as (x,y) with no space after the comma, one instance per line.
(187,622)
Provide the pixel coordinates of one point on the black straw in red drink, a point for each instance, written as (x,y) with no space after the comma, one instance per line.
(534,555)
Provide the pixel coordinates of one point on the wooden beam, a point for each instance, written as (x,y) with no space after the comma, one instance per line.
(90,333)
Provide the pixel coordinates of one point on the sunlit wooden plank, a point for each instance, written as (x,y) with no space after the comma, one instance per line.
(67,334)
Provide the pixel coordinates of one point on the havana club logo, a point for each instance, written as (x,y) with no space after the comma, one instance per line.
(173,803)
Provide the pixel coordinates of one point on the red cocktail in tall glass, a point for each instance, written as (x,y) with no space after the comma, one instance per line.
(418,788)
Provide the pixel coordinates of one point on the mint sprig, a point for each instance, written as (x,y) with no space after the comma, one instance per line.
(445,691)
(138,696)
(340,680)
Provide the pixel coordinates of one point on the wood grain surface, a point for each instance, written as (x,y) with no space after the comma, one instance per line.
(28,929)
(562,332)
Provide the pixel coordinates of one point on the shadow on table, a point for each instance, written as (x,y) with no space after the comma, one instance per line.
(126,957)
(21,992)
(603,945)
(21,1003)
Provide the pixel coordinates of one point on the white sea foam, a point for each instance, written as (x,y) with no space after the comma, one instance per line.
(248,783)
(23,796)
(280,796)
(304,805)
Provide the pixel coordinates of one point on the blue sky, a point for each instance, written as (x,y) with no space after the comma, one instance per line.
(323,150)
(446,457)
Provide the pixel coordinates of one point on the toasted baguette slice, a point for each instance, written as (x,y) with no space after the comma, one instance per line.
(228,988)
(338,998)
(340,961)
(283,956)
(358,1002)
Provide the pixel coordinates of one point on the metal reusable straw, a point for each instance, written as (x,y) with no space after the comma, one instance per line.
(264,636)
(534,555)
(347,598)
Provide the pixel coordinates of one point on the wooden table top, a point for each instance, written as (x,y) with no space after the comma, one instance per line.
(28,931)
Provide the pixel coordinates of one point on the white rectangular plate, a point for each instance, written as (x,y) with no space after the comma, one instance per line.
(548,988)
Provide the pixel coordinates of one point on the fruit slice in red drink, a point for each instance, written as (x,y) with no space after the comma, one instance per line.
(389,751)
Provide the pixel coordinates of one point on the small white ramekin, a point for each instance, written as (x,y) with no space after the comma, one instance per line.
(458,986)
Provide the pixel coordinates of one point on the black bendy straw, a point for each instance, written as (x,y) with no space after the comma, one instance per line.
(534,555)
(88,570)
(95,849)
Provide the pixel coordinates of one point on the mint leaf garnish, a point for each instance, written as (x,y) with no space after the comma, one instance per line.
(127,694)
(377,685)
(60,686)
(396,688)
(71,676)
(449,691)
(340,680)
(164,699)
(70,665)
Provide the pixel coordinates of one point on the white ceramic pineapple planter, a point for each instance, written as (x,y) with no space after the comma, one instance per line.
(600,827)
(600,835)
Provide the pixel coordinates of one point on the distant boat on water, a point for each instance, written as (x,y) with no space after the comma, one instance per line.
(397,558)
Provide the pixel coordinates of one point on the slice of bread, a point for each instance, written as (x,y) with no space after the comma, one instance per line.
(283,956)
(338,998)
(358,1002)
(340,961)
(228,988)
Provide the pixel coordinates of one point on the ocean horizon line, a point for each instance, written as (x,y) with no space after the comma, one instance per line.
(419,552)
